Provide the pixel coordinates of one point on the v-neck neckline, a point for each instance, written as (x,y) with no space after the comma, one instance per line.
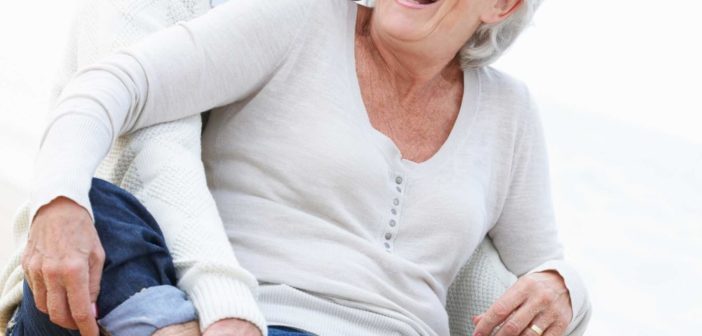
(461,126)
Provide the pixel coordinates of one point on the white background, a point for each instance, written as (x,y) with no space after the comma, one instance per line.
(619,87)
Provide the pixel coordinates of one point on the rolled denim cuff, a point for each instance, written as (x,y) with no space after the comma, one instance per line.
(149,310)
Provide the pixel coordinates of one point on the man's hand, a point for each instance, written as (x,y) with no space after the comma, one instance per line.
(232,327)
(63,263)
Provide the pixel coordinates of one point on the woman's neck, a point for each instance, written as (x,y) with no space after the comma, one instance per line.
(411,70)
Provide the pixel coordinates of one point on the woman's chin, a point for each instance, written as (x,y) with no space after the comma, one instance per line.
(407,19)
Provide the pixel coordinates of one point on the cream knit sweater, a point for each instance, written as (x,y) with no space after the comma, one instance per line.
(145,164)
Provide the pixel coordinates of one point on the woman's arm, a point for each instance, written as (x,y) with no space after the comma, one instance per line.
(172,186)
(216,59)
(526,237)
(178,72)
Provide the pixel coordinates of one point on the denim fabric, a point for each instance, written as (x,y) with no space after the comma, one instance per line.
(149,310)
(286,331)
(136,258)
(29,321)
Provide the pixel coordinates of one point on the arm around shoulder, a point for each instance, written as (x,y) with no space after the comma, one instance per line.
(188,68)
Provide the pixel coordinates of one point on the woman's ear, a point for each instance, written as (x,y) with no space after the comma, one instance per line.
(499,10)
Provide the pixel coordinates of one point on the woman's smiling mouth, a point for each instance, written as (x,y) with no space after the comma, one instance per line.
(417,4)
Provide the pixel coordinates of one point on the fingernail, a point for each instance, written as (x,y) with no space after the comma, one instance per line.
(477,334)
(95,310)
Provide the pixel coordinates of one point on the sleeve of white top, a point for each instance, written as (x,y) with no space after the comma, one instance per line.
(579,300)
(526,235)
(213,60)
(169,166)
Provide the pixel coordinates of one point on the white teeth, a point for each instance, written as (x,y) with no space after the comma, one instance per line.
(423,2)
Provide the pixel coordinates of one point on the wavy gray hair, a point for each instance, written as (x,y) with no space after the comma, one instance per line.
(491,40)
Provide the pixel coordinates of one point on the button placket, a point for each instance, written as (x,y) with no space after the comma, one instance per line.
(392,226)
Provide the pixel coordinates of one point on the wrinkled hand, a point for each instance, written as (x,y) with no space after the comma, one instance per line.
(63,263)
(232,327)
(539,299)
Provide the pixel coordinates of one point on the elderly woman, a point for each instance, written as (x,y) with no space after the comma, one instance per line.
(357,158)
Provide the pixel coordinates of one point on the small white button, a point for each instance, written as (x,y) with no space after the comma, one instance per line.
(392,223)
(394,212)
(396,201)
(399,189)
(398,180)
(388,236)
(387,245)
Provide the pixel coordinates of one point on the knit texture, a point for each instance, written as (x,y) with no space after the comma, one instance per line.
(479,283)
(160,165)
(279,189)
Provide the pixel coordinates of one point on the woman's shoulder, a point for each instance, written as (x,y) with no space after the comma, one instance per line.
(508,100)
(503,85)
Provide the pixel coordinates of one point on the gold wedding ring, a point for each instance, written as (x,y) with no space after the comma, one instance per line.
(536,329)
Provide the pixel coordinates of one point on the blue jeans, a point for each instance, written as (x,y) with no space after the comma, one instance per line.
(138,278)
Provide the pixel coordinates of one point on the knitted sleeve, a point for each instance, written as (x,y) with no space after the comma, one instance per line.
(161,164)
(213,60)
(167,175)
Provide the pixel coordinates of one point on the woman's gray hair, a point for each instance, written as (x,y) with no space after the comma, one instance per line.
(491,40)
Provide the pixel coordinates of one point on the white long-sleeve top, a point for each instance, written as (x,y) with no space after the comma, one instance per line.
(161,165)
(320,207)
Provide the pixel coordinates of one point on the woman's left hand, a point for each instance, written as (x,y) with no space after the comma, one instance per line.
(232,327)
(537,302)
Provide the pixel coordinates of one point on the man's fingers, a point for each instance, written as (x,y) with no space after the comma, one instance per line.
(78,294)
(27,258)
(56,302)
(39,292)
(501,309)
(65,242)
(35,279)
(97,261)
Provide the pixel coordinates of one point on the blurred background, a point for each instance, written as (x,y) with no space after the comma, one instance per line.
(619,85)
